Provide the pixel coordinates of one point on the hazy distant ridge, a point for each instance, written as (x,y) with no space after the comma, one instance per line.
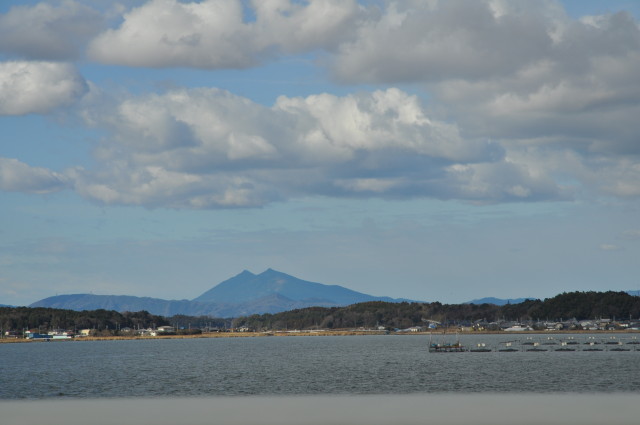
(498,301)
(243,294)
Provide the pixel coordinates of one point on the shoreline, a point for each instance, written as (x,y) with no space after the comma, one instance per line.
(312,333)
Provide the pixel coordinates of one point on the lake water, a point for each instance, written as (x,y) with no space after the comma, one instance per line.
(329,365)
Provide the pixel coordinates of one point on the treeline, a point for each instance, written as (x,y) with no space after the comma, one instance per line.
(181,321)
(106,321)
(578,305)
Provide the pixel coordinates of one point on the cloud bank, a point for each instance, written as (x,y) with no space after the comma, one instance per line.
(514,101)
(207,148)
(214,33)
(48,31)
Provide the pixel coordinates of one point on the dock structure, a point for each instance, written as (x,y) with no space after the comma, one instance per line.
(540,345)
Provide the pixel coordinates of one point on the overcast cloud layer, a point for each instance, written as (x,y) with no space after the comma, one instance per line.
(510,101)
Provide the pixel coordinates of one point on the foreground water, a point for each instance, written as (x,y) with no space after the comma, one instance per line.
(353,365)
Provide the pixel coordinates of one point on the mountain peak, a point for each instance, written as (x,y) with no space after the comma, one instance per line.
(272,272)
(249,287)
(246,293)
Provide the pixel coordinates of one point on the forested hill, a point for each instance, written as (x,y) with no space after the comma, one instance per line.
(21,318)
(578,305)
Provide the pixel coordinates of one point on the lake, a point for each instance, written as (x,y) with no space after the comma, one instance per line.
(327,365)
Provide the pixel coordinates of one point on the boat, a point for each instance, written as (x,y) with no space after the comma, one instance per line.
(571,341)
(508,348)
(592,347)
(536,347)
(565,347)
(446,347)
(481,348)
(455,347)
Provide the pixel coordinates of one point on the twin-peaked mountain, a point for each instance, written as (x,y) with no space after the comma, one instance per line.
(244,294)
(248,287)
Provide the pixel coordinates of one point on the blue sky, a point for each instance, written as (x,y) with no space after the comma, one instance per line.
(438,151)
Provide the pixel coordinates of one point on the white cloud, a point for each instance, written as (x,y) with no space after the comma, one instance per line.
(38,87)
(169,33)
(509,70)
(388,119)
(16,176)
(297,27)
(609,247)
(48,32)
(214,33)
(631,234)
(504,181)
(442,40)
(207,148)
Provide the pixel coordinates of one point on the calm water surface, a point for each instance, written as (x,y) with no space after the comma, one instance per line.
(390,364)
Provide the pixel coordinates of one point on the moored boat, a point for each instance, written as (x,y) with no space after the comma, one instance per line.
(565,347)
(508,348)
(446,347)
(592,347)
(481,348)
(536,347)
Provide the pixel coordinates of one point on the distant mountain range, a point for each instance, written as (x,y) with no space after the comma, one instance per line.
(505,301)
(244,294)
(498,301)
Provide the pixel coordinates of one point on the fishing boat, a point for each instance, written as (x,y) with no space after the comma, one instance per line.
(446,347)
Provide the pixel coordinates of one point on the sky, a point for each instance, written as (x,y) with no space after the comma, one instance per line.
(429,150)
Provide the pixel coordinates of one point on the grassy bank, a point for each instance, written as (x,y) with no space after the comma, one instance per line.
(345,332)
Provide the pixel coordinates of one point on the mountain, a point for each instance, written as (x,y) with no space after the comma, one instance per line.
(120,303)
(244,294)
(247,287)
(498,301)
